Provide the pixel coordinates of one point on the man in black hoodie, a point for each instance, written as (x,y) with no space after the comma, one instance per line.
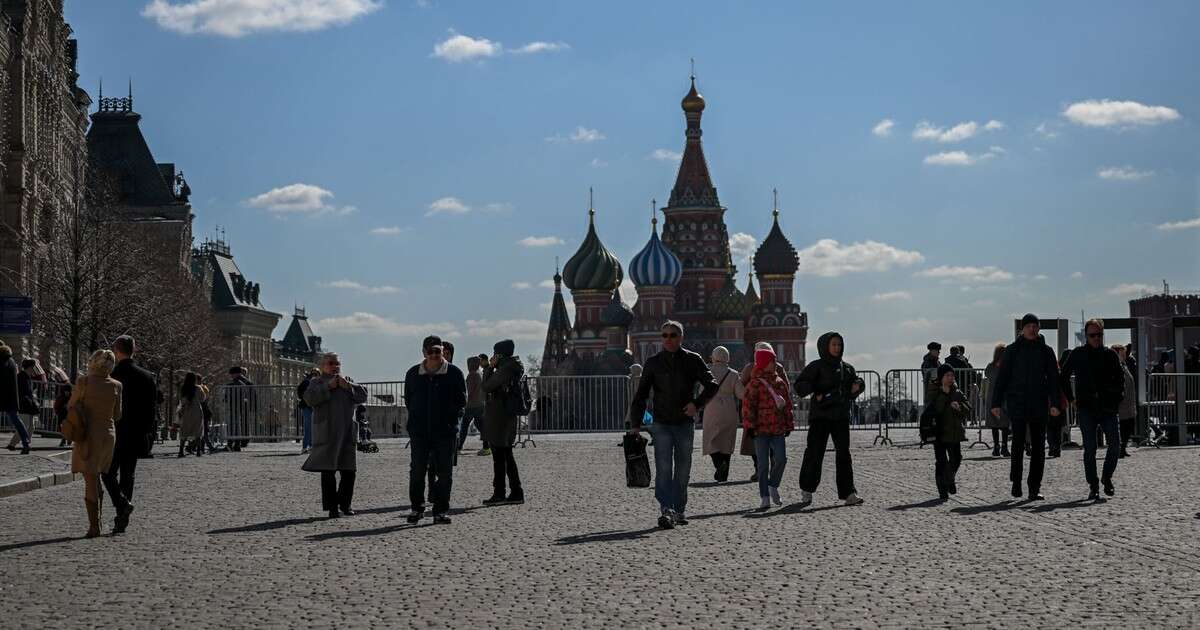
(1027,386)
(435,394)
(1099,388)
(834,385)
(672,375)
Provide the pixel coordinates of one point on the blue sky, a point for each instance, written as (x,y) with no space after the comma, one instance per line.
(383,162)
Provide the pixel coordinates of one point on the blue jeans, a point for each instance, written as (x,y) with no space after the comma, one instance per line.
(672,464)
(15,420)
(306,442)
(771,452)
(1089,420)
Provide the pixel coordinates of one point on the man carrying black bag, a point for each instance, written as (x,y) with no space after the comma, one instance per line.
(637,465)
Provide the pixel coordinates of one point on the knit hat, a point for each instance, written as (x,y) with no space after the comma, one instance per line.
(942,370)
(764,359)
(505,348)
(720,354)
(933,345)
(762,345)
(1030,318)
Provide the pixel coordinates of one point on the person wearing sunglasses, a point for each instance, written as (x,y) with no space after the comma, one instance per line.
(435,393)
(672,376)
(1099,389)
(333,399)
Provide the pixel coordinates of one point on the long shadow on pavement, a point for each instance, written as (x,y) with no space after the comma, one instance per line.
(996,507)
(717,484)
(289,522)
(923,504)
(609,536)
(38,543)
(1066,505)
(387,529)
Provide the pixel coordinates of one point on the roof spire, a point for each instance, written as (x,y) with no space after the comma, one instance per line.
(775,212)
(654,214)
(591,207)
(693,69)
(101,88)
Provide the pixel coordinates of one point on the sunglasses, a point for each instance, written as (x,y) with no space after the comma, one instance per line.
(333,363)
(433,351)
(1095,335)
(670,335)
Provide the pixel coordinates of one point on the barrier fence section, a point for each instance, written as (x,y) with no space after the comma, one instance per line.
(272,413)
(45,422)
(580,404)
(1173,408)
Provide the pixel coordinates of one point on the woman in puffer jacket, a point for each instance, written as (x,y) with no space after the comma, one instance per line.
(767,411)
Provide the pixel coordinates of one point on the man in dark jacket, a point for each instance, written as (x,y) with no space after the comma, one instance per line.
(306,412)
(1099,389)
(672,376)
(833,385)
(435,394)
(1027,386)
(139,398)
(930,363)
(9,398)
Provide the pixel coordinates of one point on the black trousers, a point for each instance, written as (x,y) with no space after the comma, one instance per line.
(819,432)
(1127,429)
(334,495)
(119,478)
(1037,443)
(1054,433)
(505,465)
(438,454)
(947,457)
(721,464)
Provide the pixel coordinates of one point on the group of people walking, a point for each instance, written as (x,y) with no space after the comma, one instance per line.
(440,401)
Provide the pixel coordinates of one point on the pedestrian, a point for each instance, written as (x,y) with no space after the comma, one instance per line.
(476,401)
(833,385)
(1096,397)
(1027,387)
(139,402)
(333,398)
(99,395)
(998,424)
(435,394)
(930,363)
(1058,429)
(767,410)
(190,414)
(950,409)
(306,412)
(240,402)
(672,376)
(721,417)
(501,384)
(485,450)
(1127,412)
(747,445)
(28,408)
(10,400)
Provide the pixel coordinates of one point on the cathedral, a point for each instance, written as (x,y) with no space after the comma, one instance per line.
(686,274)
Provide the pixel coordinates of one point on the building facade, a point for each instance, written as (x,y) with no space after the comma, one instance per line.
(1158,310)
(686,274)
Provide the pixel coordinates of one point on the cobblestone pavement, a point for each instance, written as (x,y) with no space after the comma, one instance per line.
(41,460)
(238,540)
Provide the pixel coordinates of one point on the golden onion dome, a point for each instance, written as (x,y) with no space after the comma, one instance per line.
(693,102)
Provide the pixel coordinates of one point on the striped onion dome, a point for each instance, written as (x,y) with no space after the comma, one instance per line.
(655,265)
(593,267)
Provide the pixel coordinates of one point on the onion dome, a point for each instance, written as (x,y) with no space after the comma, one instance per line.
(617,313)
(655,265)
(593,267)
(729,303)
(693,102)
(776,256)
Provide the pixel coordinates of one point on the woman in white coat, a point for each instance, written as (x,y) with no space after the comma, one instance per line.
(721,416)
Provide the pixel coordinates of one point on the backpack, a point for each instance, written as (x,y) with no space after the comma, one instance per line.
(637,465)
(928,426)
(517,399)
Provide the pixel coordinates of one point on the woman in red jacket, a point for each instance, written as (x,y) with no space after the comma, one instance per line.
(767,410)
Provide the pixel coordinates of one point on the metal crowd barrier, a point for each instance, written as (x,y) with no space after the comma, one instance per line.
(580,404)
(272,413)
(45,423)
(1173,408)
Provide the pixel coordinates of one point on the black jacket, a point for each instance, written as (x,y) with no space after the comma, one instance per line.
(831,379)
(435,402)
(300,393)
(139,401)
(8,383)
(1099,379)
(28,400)
(673,377)
(1027,383)
(929,367)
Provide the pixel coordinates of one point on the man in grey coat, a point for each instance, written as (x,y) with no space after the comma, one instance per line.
(333,399)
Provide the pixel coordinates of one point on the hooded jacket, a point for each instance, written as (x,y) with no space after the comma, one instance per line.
(499,425)
(1027,383)
(1099,379)
(831,378)
(8,381)
(672,377)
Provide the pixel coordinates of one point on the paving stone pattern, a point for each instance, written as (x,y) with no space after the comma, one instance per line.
(238,540)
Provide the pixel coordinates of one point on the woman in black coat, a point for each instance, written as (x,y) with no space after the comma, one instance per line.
(501,381)
(833,385)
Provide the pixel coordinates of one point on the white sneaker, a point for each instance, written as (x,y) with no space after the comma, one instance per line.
(805,498)
(775,496)
(854,499)
(766,504)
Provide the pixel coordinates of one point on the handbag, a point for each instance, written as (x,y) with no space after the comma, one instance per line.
(75,427)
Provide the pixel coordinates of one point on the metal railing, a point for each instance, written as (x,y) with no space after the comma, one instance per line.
(272,413)
(1173,408)
(46,422)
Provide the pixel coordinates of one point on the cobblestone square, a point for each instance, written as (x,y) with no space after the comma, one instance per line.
(239,540)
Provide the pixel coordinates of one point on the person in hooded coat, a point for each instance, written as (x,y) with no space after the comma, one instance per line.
(333,399)
(721,414)
(833,385)
(768,411)
(950,407)
(502,380)
(747,446)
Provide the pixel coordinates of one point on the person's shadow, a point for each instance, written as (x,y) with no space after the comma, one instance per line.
(606,536)
(923,504)
(290,522)
(1002,506)
(1066,505)
(38,543)
(387,529)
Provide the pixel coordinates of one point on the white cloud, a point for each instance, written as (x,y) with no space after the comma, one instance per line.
(916,324)
(1123,173)
(598,163)
(1078,275)
(829,258)
(546,284)
(458,48)
(1127,289)
(993,125)
(833,309)
(448,205)
(883,128)
(305,199)
(984,303)
(1044,131)
(496,208)
(892,296)
(370,323)
(666,155)
(1189,224)
(515,329)
(581,135)
(1041,277)
(236,18)
(962,131)
(1106,113)
(522,285)
(386,289)
(966,274)
(540,241)
(962,158)
(742,246)
(389,230)
(540,47)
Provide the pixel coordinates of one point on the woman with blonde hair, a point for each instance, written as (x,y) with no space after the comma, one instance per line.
(998,424)
(192,396)
(99,398)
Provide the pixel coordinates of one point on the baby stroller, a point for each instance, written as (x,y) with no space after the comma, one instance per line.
(365,443)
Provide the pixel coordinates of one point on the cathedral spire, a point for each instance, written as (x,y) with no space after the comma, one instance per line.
(693,185)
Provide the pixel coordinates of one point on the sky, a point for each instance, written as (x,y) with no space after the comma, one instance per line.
(404,167)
